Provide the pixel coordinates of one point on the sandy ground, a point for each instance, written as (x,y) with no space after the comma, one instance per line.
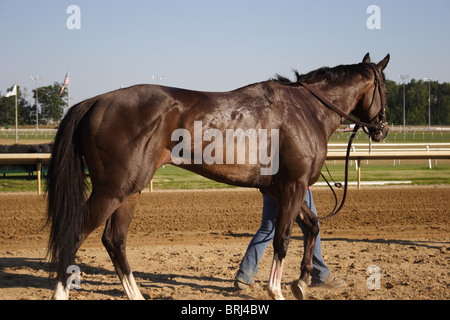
(188,245)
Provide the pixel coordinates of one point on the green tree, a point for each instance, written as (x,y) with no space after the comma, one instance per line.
(8,106)
(51,103)
(417,93)
(440,103)
(394,107)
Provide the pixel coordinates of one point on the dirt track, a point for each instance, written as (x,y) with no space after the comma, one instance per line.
(188,245)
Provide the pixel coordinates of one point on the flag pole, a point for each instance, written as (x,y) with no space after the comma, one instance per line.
(68,89)
(17,136)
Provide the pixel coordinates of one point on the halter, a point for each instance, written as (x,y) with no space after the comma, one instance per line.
(367,128)
(381,114)
(378,127)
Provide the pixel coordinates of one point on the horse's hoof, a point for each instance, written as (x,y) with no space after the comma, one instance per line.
(299,288)
(275,294)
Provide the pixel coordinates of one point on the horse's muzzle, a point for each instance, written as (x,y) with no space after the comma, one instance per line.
(380,133)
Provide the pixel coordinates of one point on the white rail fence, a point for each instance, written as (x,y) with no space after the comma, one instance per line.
(392,148)
(360,152)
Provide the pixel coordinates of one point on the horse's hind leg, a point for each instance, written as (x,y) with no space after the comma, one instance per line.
(114,240)
(101,205)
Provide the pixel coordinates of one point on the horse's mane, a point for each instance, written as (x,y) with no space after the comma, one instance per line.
(340,73)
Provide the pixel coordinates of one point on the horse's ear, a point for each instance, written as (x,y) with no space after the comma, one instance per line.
(366,58)
(383,63)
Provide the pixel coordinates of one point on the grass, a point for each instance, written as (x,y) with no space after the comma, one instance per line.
(396,137)
(171,177)
(30,136)
(174,178)
(167,178)
(18,183)
(417,173)
(419,136)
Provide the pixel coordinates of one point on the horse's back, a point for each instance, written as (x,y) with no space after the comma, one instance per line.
(132,129)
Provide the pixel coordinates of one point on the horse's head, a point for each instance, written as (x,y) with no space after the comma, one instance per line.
(371,107)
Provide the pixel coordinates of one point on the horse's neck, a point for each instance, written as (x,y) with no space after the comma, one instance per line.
(343,97)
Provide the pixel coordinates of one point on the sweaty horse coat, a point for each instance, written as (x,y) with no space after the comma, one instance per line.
(124,136)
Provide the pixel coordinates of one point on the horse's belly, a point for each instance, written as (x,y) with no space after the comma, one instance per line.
(243,175)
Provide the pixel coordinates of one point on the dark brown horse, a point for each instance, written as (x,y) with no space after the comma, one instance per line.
(124,136)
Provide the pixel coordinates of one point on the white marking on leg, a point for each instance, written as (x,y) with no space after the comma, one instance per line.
(274,287)
(61,292)
(131,288)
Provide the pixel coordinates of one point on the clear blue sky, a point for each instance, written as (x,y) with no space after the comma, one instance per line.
(214,45)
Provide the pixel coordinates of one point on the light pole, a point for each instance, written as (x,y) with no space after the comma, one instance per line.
(36,79)
(404,77)
(429,100)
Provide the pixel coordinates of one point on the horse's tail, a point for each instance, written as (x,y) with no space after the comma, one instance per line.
(66,190)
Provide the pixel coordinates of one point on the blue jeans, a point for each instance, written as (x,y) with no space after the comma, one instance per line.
(248,268)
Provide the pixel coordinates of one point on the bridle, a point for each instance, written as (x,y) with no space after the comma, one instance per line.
(381,115)
(368,128)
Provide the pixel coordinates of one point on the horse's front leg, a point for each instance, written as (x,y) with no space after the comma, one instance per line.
(311,227)
(288,207)
(274,286)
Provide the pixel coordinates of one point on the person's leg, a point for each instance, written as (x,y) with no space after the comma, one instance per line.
(248,268)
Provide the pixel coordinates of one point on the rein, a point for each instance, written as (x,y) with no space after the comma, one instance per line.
(331,106)
(358,124)
(336,211)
